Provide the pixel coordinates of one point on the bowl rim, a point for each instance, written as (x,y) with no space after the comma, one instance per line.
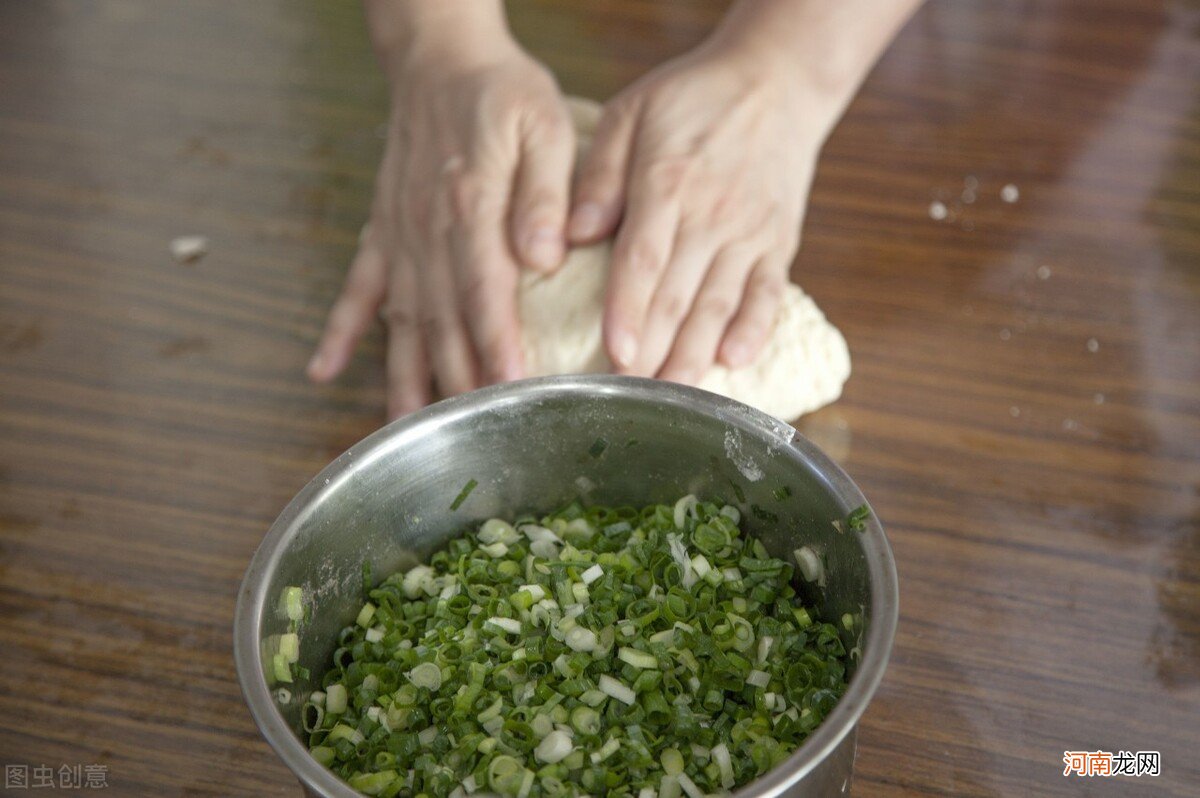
(881,567)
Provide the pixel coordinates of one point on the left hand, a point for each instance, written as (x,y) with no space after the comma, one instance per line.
(708,159)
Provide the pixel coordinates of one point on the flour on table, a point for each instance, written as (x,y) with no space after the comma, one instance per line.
(802,367)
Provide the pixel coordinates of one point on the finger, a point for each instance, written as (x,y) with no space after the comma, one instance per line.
(640,255)
(540,192)
(755,319)
(486,280)
(695,348)
(691,259)
(599,190)
(407,365)
(448,345)
(352,313)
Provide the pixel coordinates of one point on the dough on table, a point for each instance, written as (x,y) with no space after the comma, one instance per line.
(802,367)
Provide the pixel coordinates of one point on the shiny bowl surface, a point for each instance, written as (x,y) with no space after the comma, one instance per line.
(535,445)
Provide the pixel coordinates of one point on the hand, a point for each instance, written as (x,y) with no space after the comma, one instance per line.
(709,158)
(476,169)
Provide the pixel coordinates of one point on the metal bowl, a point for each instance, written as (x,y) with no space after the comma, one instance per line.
(535,445)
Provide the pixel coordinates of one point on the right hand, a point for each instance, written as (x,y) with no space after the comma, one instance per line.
(474,182)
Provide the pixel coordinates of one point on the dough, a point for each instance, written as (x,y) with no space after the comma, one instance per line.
(802,367)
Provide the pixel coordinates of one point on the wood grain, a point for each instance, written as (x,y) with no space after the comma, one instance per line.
(1042,496)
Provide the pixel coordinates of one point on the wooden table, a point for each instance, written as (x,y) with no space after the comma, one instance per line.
(1024,411)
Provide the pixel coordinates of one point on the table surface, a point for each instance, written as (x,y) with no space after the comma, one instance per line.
(1024,411)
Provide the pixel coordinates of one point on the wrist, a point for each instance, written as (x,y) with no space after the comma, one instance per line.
(823,50)
(439,34)
(814,98)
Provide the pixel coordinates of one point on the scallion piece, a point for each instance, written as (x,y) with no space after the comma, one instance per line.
(426,675)
(281,668)
(463,494)
(638,659)
(335,699)
(292,601)
(614,689)
(289,646)
(553,748)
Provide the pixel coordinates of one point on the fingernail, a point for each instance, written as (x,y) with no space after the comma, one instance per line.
(585,221)
(544,247)
(626,350)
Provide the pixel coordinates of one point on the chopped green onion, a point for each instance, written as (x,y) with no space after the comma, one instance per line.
(594,650)
(606,750)
(720,755)
(689,786)
(672,761)
(335,699)
(758,678)
(373,783)
(614,689)
(495,550)
(638,659)
(426,675)
(764,647)
(289,647)
(684,508)
(598,447)
(510,625)
(585,720)
(580,639)
(281,668)
(495,530)
(763,514)
(810,565)
(292,602)
(553,748)
(463,494)
(857,520)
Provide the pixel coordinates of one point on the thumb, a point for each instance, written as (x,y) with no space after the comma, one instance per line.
(600,189)
(540,192)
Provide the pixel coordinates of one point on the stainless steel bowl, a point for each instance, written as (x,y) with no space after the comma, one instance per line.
(532,445)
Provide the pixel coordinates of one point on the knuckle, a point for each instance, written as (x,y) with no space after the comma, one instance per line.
(714,306)
(666,175)
(473,293)
(642,259)
(434,325)
(729,206)
(767,282)
(472,198)
(398,318)
(672,306)
(418,206)
(548,123)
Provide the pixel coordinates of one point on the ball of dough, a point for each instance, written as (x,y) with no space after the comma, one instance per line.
(802,367)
